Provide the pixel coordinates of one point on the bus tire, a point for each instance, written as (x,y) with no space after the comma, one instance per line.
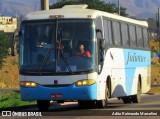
(88,103)
(81,103)
(43,105)
(126,99)
(137,98)
(103,103)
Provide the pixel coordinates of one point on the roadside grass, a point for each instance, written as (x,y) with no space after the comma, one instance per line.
(13,99)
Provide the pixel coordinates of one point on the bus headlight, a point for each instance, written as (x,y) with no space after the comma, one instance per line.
(28,84)
(85,82)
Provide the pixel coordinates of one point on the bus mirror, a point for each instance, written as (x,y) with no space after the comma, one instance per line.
(102,44)
(16,33)
(19,33)
(98,30)
(15,43)
(102,41)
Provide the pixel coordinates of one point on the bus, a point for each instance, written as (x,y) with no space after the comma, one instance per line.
(119,66)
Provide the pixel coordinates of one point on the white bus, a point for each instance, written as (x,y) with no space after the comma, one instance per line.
(119,65)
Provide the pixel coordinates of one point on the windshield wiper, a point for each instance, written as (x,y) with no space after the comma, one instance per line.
(44,61)
(60,47)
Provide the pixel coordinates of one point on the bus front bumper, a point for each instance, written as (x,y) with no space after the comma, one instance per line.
(70,92)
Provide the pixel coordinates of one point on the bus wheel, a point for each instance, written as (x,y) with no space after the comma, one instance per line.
(103,103)
(88,103)
(126,99)
(137,98)
(81,103)
(43,105)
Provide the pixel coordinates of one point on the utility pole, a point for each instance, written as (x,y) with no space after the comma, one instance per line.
(158,30)
(119,8)
(44,4)
(158,21)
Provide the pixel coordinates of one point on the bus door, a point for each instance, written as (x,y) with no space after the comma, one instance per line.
(100,43)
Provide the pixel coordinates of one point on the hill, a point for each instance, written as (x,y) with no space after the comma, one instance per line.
(139,8)
(18,7)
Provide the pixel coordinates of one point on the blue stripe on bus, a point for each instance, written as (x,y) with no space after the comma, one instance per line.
(69,93)
(132,60)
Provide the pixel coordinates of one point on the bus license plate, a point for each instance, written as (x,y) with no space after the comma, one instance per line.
(56,95)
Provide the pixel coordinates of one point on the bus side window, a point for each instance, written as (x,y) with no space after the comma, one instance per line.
(117,33)
(139,36)
(132,34)
(107,31)
(125,36)
(145,37)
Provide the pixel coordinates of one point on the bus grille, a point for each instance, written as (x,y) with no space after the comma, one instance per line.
(56,86)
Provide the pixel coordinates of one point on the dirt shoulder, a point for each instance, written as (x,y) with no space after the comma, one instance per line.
(9,74)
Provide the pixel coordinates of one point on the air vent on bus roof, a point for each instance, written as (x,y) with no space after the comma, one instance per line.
(82,6)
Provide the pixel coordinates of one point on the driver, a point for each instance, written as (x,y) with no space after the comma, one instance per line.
(82,52)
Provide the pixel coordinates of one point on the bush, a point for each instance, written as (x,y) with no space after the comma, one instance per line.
(11,99)
(4,46)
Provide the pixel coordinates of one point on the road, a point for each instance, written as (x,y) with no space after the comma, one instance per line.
(150,103)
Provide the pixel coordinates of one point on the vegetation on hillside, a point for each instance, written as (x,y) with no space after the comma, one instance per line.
(13,99)
(92,4)
(4,46)
(9,75)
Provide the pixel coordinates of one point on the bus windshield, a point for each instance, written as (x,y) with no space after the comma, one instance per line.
(51,46)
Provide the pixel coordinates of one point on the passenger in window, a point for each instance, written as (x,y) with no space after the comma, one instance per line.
(82,52)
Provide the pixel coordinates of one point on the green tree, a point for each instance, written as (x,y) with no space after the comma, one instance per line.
(152,29)
(92,4)
(4,46)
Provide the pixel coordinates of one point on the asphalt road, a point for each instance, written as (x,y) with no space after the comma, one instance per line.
(148,108)
(150,104)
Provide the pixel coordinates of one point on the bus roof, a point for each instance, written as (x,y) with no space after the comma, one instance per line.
(79,11)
